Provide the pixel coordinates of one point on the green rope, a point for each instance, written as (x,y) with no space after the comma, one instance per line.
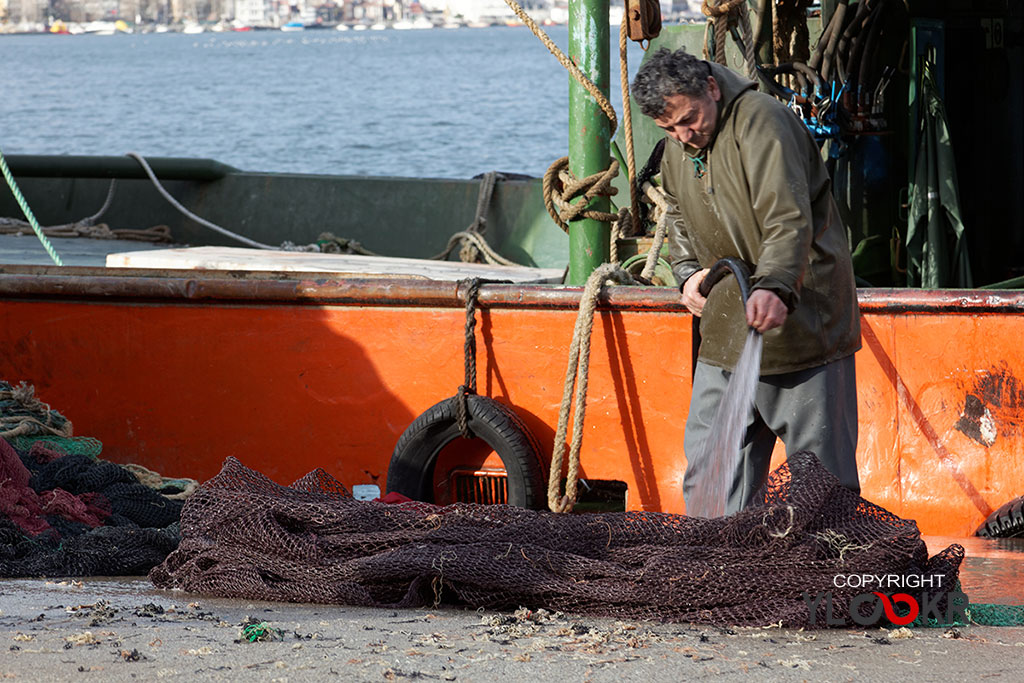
(28,212)
(72,445)
(261,631)
(699,169)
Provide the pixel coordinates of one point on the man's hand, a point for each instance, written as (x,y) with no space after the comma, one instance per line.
(691,296)
(765,310)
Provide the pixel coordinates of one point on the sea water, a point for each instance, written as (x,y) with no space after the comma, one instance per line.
(440,103)
(721,450)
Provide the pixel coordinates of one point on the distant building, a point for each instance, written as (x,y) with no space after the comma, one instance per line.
(24,11)
(252,12)
(480,10)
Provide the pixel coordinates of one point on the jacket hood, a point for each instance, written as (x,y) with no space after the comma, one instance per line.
(732,86)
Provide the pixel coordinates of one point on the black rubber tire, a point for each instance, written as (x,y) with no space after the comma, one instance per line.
(411,471)
(1006,522)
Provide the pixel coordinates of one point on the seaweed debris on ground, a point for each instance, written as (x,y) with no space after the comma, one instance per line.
(121,628)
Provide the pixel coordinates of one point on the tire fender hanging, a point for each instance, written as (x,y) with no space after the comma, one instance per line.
(411,470)
(1006,522)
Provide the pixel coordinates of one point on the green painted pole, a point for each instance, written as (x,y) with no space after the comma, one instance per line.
(589,134)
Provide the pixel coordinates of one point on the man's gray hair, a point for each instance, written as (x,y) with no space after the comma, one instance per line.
(666,74)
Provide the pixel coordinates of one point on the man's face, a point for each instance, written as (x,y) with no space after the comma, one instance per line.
(692,120)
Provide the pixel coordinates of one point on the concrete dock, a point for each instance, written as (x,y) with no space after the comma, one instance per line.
(123,629)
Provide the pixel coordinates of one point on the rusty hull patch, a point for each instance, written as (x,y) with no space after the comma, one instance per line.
(994,405)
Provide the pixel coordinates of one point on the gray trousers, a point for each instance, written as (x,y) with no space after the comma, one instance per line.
(813,410)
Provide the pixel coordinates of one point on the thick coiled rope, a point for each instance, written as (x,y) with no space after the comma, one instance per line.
(561,187)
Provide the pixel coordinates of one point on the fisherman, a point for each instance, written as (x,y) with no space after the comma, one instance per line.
(745,179)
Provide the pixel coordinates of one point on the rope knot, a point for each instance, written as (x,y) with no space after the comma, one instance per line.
(561,187)
(462,411)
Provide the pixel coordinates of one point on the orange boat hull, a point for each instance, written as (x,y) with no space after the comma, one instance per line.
(178,373)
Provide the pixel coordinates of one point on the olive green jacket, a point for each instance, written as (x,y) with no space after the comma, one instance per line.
(761,193)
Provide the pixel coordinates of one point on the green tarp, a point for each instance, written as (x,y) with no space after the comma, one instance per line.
(936,249)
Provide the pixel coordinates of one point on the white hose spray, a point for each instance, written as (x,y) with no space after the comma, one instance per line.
(721,449)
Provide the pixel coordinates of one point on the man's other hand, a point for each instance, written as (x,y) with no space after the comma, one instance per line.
(692,298)
(765,310)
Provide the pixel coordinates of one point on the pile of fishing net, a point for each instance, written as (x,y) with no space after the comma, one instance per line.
(248,537)
(63,512)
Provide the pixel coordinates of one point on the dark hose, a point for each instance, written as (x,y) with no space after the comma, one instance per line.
(828,58)
(868,57)
(815,61)
(723,267)
(852,29)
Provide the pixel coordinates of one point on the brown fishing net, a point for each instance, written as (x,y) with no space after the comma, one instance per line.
(245,536)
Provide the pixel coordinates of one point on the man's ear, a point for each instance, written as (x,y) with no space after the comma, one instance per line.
(713,90)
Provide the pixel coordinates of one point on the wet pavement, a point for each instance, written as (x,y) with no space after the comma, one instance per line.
(124,629)
(993,569)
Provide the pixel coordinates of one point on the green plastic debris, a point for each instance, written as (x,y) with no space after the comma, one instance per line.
(261,631)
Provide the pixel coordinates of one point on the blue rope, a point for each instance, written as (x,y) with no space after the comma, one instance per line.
(28,212)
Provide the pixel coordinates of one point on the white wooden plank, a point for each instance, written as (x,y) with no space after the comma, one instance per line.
(235,258)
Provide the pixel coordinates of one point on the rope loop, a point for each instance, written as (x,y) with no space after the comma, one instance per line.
(560,187)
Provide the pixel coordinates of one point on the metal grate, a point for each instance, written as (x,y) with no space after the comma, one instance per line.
(488,488)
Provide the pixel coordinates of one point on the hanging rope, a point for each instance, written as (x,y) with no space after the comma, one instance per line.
(580,77)
(560,185)
(577,374)
(28,212)
(469,351)
(627,131)
(198,219)
(730,17)
(657,197)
